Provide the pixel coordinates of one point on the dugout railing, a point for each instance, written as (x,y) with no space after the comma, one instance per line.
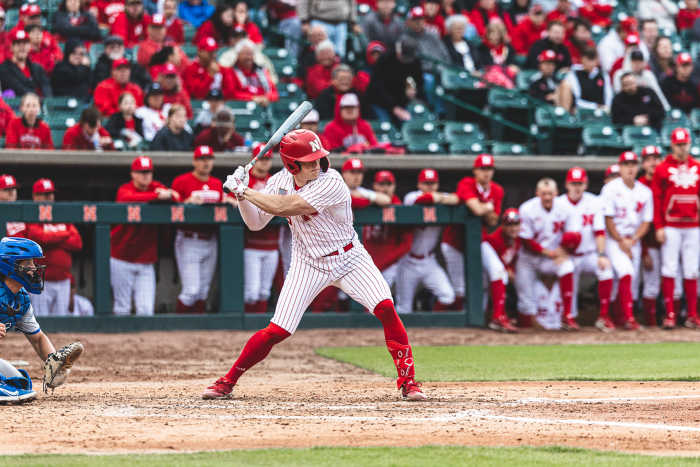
(229,313)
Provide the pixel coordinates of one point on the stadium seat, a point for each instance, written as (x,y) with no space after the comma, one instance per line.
(62,120)
(190,31)
(420,111)
(62,104)
(502,148)
(14,103)
(468,147)
(642,135)
(285,65)
(602,140)
(291,90)
(2,142)
(505,99)
(249,123)
(424,145)
(190,50)
(57,138)
(384,131)
(452,79)
(695,119)
(283,107)
(11,18)
(96,50)
(597,116)
(524,78)
(676,117)
(561,131)
(456,132)
(417,129)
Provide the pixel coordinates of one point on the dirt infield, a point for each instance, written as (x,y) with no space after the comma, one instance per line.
(140,392)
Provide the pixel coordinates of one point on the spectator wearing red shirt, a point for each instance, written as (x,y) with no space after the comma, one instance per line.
(28,131)
(44,48)
(131,24)
(434,21)
(318,77)
(484,12)
(174,27)
(6,114)
(29,13)
(529,30)
(4,37)
(106,11)
(58,242)
(347,131)
(220,26)
(107,93)
(579,40)
(221,136)
(250,81)
(240,18)
(134,247)
(157,39)
(88,133)
(597,13)
(204,74)
(173,92)
(18,74)
(561,12)
(686,16)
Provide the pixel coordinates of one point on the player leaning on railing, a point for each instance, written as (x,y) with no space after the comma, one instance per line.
(20,276)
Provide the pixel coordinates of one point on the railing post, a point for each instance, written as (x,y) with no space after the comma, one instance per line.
(231,268)
(103,289)
(472,272)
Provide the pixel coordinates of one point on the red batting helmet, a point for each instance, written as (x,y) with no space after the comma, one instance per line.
(511,216)
(302,146)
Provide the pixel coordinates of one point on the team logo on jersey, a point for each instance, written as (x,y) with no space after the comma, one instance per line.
(11,311)
(558,226)
(640,206)
(683,176)
(587,219)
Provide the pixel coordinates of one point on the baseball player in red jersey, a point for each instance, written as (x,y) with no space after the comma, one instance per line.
(353,172)
(545,218)
(326,251)
(589,257)
(676,218)
(484,198)
(387,244)
(58,242)
(196,246)
(499,252)
(628,209)
(8,194)
(134,247)
(651,249)
(420,265)
(260,253)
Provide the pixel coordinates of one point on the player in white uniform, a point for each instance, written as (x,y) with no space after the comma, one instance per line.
(325,251)
(589,257)
(544,219)
(629,211)
(549,304)
(420,266)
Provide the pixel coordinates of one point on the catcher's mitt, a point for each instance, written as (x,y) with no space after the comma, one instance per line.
(58,364)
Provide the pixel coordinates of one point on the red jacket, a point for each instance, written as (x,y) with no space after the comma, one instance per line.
(107,94)
(435,24)
(480,19)
(208,137)
(686,18)
(267,238)
(248,84)
(48,54)
(387,244)
(507,252)
(576,52)
(136,243)
(253,32)
(180,97)
(74,138)
(317,79)
(675,187)
(525,34)
(108,10)
(148,48)
(131,30)
(596,14)
(467,189)
(198,81)
(20,136)
(57,241)
(339,135)
(6,114)
(175,30)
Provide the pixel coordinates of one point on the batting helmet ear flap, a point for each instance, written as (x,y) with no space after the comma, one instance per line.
(325,163)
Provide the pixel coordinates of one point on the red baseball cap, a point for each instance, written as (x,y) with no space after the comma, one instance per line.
(142,164)
(627,156)
(384,176)
(612,170)
(30,9)
(7,181)
(428,175)
(120,62)
(19,35)
(157,20)
(547,56)
(353,164)
(651,150)
(684,58)
(680,136)
(629,24)
(576,175)
(632,39)
(483,160)
(207,43)
(203,151)
(43,185)
(167,69)
(257,147)
(511,216)
(416,12)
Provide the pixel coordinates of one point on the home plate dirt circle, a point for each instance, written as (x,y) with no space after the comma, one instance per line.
(140,393)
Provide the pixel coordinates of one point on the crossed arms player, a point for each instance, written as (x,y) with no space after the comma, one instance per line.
(325,251)
(19,276)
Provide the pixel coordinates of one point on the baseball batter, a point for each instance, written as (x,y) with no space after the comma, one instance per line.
(260,255)
(325,251)
(420,266)
(544,220)
(677,221)
(484,198)
(629,210)
(589,257)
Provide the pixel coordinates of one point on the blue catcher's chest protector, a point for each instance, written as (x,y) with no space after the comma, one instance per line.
(12,307)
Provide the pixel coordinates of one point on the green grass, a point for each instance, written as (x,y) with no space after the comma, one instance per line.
(339,457)
(606,362)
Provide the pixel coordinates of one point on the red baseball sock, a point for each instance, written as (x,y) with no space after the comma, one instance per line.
(690,287)
(256,349)
(566,287)
(625,294)
(498,296)
(677,306)
(393,327)
(604,292)
(649,305)
(667,286)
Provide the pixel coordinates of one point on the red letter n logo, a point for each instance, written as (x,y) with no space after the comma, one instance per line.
(388,215)
(177,213)
(429,214)
(133,214)
(220,214)
(89,213)
(45,213)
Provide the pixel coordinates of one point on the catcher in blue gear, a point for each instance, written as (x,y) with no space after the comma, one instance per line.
(20,276)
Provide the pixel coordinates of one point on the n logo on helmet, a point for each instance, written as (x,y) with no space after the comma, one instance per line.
(315,144)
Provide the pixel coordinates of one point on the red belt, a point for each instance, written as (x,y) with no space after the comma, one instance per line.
(199,235)
(418,256)
(346,248)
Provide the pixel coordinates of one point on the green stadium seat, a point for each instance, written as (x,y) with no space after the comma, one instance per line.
(420,129)
(597,116)
(500,98)
(639,135)
(460,131)
(62,104)
(468,147)
(285,64)
(96,50)
(2,142)
(62,120)
(384,131)
(249,122)
(452,79)
(57,138)
(283,107)
(420,111)
(190,50)
(423,145)
(502,148)
(695,118)
(14,103)
(513,106)
(602,140)
(676,117)
(291,90)
(561,131)
(190,31)
(11,18)
(524,79)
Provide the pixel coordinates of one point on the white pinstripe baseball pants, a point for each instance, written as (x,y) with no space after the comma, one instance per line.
(196,263)
(53,301)
(353,272)
(133,280)
(260,269)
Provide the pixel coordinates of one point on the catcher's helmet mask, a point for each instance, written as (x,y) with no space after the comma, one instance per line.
(302,146)
(12,251)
